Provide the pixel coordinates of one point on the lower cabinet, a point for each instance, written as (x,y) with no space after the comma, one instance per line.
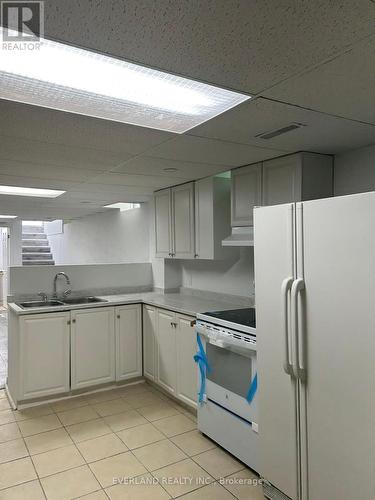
(149,342)
(92,347)
(187,372)
(166,350)
(64,351)
(44,355)
(128,326)
(175,341)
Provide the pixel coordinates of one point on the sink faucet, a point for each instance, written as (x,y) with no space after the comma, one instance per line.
(67,291)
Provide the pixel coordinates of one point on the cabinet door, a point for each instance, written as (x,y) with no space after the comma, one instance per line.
(187,381)
(166,350)
(163,223)
(44,354)
(128,342)
(282,180)
(149,333)
(183,221)
(92,347)
(246,193)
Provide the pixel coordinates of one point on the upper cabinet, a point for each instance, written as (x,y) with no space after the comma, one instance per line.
(296,177)
(246,193)
(191,219)
(183,229)
(163,223)
(212,218)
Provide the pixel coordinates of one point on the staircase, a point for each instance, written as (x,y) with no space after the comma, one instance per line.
(35,247)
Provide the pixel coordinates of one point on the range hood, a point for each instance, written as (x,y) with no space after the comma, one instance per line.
(240,237)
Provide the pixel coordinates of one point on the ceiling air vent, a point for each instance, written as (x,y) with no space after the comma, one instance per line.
(280,131)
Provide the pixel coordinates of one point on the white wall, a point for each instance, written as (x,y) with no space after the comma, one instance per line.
(235,277)
(34,279)
(106,238)
(355,171)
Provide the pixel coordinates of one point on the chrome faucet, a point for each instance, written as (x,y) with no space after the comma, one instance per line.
(67,291)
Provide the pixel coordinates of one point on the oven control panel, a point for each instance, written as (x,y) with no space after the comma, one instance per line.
(225,337)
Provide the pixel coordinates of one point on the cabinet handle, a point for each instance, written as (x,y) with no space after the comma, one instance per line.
(68,322)
(196,256)
(193,323)
(118,316)
(73,320)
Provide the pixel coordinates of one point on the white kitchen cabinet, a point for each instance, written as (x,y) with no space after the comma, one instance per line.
(163,223)
(212,218)
(166,350)
(297,177)
(149,342)
(128,332)
(183,231)
(187,373)
(246,193)
(92,347)
(44,341)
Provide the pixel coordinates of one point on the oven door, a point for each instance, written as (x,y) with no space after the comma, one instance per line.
(228,381)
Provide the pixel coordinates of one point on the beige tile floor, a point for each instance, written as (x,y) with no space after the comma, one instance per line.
(131,443)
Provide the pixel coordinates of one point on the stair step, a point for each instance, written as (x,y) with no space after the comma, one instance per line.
(36,256)
(38,262)
(35,241)
(34,236)
(36,249)
(32,229)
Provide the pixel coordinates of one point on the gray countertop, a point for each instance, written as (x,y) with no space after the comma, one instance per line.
(178,302)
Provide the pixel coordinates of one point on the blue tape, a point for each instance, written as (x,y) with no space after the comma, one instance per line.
(252,389)
(202,361)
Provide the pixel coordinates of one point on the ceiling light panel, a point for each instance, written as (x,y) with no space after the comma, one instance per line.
(71,79)
(8,216)
(33,192)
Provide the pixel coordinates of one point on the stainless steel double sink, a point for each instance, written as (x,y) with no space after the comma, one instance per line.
(53,303)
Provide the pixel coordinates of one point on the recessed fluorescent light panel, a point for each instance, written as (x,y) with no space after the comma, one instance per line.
(123,206)
(8,216)
(22,191)
(70,79)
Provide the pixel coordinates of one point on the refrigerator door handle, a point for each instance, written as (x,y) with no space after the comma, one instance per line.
(298,368)
(285,289)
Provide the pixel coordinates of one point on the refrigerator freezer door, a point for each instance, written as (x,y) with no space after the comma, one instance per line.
(339,271)
(277,396)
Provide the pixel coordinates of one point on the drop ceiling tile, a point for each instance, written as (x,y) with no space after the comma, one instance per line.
(148,165)
(244,45)
(344,86)
(48,154)
(130,180)
(109,189)
(25,169)
(220,153)
(69,129)
(321,133)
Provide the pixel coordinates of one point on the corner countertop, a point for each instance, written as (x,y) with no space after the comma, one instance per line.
(182,303)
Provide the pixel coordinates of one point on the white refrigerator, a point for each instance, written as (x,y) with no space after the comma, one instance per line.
(315,314)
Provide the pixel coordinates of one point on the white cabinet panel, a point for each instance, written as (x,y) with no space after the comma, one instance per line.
(282,180)
(246,193)
(163,223)
(92,347)
(149,342)
(166,350)
(187,380)
(183,231)
(128,342)
(44,354)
